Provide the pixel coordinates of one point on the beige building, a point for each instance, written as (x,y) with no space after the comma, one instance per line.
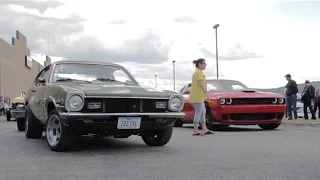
(17,69)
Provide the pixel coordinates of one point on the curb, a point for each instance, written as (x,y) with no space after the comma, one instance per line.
(302,124)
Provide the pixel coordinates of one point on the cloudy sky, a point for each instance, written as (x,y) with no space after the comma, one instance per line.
(258,41)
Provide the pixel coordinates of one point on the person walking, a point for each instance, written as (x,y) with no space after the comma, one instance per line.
(198,95)
(307,97)
(316,105)
(291,97)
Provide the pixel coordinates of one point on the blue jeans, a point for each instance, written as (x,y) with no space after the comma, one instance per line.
(291,106)
(199,113)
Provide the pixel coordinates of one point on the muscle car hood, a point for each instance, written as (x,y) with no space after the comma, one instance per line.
(103,89)
(243,94)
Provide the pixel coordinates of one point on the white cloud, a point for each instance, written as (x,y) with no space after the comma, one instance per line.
(287,44)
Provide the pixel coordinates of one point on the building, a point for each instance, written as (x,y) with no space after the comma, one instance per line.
(17,69)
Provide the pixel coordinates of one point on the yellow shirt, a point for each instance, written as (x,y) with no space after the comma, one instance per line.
(196,93)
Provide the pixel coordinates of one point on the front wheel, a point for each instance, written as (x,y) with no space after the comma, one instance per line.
(59,137)
(160,138)
(269,126)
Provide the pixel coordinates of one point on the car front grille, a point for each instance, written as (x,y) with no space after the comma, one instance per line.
(254,116)
(125,105)
(239,101)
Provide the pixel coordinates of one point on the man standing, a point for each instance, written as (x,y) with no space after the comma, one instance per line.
(307,96)
(291,97)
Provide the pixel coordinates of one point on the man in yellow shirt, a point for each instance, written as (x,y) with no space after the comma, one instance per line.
(198,94)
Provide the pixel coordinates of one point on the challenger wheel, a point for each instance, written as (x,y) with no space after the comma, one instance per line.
(269,126)
(160,138)
(178,123)
(33,128)
(59,137)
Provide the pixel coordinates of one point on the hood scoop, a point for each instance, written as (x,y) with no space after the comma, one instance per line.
(248,91)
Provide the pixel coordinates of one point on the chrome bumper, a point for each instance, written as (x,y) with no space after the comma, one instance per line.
(107,115)
(15,112)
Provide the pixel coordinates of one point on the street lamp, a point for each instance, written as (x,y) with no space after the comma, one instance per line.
(174,75)
(216,28)
(155,81)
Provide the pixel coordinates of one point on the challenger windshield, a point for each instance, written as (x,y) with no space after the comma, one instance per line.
(225,85)
(91,73)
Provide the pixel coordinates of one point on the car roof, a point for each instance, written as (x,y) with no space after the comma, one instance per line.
(85,62)
(219,80)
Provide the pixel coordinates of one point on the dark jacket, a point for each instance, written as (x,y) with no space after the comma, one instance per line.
(291,88)
(308,93)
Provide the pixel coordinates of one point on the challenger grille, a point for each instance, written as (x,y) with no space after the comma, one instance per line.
(125,105)
(253,116)
(238,101)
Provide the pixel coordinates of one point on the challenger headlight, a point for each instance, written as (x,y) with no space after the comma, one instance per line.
(74,102)
(281,100)
(274,100)
(222,101)
(176,103)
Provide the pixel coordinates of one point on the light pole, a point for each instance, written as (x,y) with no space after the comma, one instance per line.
(216,28)
(155,81)
(174,75)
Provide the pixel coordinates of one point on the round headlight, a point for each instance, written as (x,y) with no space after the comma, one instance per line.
(280,100)
(274,100)
(75,103)
(229,101)
(175,103)
(222,101)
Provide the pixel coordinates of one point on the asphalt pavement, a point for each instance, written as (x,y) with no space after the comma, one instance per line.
(243,153)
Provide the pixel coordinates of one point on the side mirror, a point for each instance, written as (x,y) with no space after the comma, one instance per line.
(41,80)
(187,92)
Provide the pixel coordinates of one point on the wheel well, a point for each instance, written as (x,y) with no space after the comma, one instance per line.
(50,107)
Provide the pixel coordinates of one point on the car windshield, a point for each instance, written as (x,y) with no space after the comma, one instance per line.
(225,85)
(69,72)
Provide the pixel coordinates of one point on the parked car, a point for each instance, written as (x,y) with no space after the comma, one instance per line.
(233,103)
(74,98)
(17,111)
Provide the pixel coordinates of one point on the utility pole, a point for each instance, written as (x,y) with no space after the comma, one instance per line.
(155,81)
(217,64)
(174,75)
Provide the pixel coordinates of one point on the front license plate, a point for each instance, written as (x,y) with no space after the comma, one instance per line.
(129,122)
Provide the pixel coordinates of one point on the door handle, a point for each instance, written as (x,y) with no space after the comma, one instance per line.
(33,90)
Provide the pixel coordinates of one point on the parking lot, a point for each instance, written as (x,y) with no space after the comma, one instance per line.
(291,152)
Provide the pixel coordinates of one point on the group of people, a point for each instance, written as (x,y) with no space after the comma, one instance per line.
(309,97)
(198,96)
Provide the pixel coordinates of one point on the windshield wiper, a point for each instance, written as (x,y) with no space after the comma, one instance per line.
(69,79)
(108,79)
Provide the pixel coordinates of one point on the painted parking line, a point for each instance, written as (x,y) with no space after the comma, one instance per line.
(1,132)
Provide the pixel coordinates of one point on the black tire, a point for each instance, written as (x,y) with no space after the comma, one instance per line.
(66,139)
(8,116)
(269,126)
(162,137)
(209,119)
(21,124)
(33,128)
(178,123)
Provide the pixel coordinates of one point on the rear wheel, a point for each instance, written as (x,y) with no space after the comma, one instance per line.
(8,114)
(59,137)
(160,138)
(33,128)
(269,126)
(21,124)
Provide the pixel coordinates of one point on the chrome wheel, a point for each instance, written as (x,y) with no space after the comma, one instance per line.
(53,130)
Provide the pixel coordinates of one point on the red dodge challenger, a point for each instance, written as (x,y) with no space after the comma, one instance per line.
(233,103)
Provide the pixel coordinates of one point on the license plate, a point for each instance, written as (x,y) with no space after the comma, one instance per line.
(129,122)
(18,114)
